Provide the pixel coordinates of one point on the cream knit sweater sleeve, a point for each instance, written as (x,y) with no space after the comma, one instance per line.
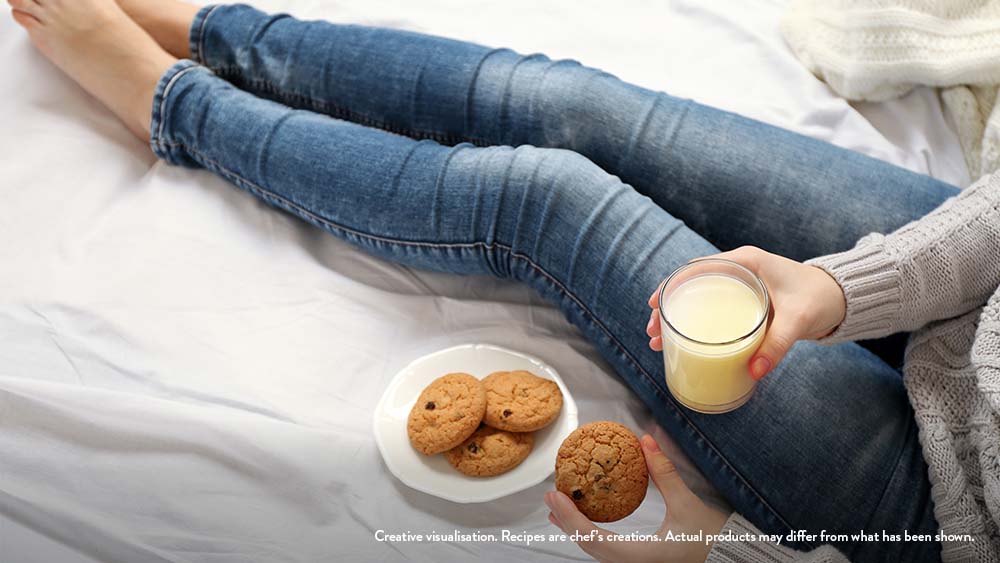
(937,267)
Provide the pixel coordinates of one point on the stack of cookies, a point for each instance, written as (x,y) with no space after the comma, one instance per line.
(483,428)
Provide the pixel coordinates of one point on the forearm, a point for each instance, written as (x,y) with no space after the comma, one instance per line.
(940,266)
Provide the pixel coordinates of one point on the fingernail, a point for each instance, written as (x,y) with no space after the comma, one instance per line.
(760,367)
(650,444)
(550,501)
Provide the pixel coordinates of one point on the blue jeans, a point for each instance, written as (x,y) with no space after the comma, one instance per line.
(455,157)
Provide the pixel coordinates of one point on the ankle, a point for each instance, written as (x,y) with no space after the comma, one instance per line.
(169,23)
(138,116)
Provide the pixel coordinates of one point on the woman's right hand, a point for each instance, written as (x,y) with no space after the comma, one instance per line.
(806,302)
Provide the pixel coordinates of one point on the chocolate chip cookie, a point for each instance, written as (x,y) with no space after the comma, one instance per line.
(601,467)
(447,412)
(490,451)
(519,401)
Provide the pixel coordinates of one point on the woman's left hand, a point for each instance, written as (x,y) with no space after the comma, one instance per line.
(807,304)
(685,513)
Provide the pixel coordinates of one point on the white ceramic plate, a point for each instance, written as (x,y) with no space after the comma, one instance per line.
(433,474)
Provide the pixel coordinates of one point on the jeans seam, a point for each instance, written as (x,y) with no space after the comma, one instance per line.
(291,206)
(163,99)
(198,32)
(158,120)
(341,112)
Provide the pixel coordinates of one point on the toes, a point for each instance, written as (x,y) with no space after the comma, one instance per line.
(26,12)
(23,5)
(25,20)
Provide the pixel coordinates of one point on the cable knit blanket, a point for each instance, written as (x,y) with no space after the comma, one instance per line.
(880,49)
(937,277)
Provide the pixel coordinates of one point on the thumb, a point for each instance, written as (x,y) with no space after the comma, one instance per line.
(663,473)
(777,342)
(578,527)
(569,517)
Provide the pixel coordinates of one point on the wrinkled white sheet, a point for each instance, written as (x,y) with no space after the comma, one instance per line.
(188,375)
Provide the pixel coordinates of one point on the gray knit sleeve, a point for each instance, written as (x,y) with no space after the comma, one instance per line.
(937,267)
(742,550)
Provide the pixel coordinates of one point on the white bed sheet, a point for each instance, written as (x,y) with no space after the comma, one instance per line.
(188,375)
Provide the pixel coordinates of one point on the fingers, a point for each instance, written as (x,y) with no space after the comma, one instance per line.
(656,343)
(25,12)
(778,339)
(24,19)
(663,473)
(568,518)
(653,326)
(654,299)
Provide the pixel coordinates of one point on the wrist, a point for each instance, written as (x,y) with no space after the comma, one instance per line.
(831,302)
(870,280)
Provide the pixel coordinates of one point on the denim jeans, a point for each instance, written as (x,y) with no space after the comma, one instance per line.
(454,157)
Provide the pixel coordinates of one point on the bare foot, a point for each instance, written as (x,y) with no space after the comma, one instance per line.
(168,21)
(96,44)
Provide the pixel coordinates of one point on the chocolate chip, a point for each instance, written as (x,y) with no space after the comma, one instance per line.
(577,494)
(598,477)
(430,405)
(507,412)
(473,448)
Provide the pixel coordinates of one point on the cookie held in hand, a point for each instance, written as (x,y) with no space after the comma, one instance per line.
(447,412)
(600,466)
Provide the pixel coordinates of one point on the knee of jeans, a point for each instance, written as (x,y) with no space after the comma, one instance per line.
(545,199)
(522,85)
(559,180)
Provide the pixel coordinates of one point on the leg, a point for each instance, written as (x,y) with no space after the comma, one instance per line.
(829,441)
(168,21)
(790,458)
(729,178)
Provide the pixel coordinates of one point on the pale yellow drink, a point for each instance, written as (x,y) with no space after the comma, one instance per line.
(712,322)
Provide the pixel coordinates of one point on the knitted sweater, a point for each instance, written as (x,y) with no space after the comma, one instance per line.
(880,49)
(934,276)
(937,277)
